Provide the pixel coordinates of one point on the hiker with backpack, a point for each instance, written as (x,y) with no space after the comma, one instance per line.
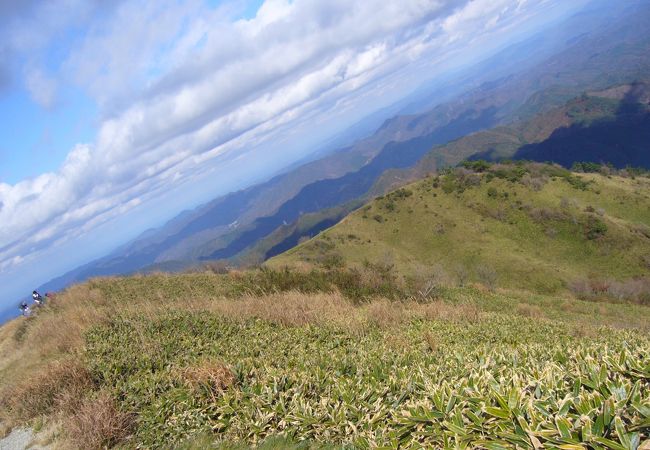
(25,309)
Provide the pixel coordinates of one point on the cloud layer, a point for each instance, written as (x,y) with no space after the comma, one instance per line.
(184,88)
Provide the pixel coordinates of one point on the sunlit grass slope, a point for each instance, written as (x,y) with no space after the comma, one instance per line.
(357,358)
(528,226)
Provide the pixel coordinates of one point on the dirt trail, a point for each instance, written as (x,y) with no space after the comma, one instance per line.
(20,439)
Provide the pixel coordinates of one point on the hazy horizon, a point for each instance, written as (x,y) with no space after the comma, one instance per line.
(116,118)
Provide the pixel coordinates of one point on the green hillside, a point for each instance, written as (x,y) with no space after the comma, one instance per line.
(324,359)
(527,226)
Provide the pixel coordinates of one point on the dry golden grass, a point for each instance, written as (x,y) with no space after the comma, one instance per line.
(432,344)
(583,330)
(288,309)
(97,424)
(532,311)
(208,377)
(440,310)
(5,429)
(8,344)
(59,387)
(384,314)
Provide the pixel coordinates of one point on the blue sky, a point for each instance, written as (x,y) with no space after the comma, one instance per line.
(39,130)
(36,140)
(114,116)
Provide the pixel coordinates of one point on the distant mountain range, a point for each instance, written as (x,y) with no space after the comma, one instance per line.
(610,126)
(258,222)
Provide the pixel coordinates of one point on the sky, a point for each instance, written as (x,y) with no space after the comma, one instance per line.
(115,116)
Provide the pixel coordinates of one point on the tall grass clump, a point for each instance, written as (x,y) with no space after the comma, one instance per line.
(97,424)
(635,290)
(58,387)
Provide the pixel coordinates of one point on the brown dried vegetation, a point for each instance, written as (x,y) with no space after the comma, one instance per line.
(207,378)
(97,424)
(58,387)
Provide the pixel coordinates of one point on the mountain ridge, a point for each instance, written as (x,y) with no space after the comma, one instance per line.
(540,89)
(528,226)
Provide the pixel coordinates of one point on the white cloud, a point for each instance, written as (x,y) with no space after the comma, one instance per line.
(42,88)
(185,88)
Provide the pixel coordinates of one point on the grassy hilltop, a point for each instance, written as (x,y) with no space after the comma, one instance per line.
(494,307)
(334,357)
(528,226)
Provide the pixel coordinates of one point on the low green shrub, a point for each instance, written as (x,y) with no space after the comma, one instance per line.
(496,381)
(595,228)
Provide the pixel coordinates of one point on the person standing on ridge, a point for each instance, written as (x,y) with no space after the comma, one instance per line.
(38,299)
(24,309)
